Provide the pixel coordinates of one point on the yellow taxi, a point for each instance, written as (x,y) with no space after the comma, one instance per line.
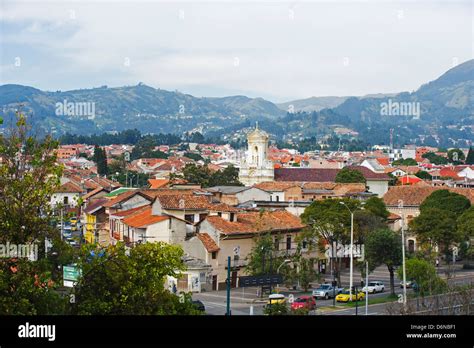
(73,220)
(346,297)
(276,299)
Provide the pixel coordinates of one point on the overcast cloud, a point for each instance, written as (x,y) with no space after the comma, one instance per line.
(277,50)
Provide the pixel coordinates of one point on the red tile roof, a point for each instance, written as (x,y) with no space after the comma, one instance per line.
(416,194)
(322,174)
(158,183)
(256,222)
(409,180)
(130,212)
(120,198)
(179,202)
(69,187)
(208,242)
(144,219)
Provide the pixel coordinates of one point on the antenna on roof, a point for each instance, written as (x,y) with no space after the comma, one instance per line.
(256,124)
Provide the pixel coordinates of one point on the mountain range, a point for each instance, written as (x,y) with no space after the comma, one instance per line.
(446,111)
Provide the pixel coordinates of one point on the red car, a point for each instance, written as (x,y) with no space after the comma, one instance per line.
(307,302)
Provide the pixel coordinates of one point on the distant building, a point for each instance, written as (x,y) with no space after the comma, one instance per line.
(256,167)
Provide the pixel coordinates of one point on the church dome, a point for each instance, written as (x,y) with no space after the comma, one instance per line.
(257,134)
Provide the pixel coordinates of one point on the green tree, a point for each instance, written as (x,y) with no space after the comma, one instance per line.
(465,224)
(145,148)
(446,200)
(424,175)
(435,159)
(113,282)
(470,156)
(376,206)
(100,158)
(229,176)
(405,162)
(329,221)
(435,226)
(456,156)
(347,175)
(262,258)
(29,177)
(384,247)
(27,289)
(425,276)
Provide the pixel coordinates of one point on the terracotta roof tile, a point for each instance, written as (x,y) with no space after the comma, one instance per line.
(130,212)
(181,202)
(255,222)
(208,242)
(158,183)
(120,198)
(144,219)
(415,195)
(69,187)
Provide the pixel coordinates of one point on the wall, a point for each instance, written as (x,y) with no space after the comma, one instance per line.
(252,194)
(58,198)
(379,187)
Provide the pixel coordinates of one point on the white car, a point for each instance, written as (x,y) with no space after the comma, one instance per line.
(374,287)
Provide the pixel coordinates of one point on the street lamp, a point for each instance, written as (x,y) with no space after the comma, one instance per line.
(284,262)
(278,269)
(400,206)
(351,249)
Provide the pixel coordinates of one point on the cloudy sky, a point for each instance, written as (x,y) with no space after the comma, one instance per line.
(278,50)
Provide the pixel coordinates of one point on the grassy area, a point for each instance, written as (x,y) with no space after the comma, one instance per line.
(372,301)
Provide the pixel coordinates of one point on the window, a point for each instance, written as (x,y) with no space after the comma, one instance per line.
(219,214)
(304,244)
(232,215)
(277,243)
(214,255)
(278,198)
(288,242)
(66,200)
(189,218)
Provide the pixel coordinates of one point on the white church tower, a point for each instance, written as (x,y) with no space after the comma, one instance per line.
(256,167)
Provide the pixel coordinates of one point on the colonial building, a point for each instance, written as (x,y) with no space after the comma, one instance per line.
(256,167)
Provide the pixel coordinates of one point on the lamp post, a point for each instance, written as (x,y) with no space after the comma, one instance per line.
(351,249)
(400,206)
(278,269)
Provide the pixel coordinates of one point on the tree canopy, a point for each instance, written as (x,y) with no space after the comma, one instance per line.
(347,175)
(446,200)
(384,247)
(114,283)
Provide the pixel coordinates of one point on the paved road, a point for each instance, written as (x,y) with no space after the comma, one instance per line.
(243,299)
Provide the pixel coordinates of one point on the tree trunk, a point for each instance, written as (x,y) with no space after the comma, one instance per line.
(392,281)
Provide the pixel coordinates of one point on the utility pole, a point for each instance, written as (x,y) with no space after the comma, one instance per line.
(400,206)
(62,225)
(352,256)
(366,287)
(228,286)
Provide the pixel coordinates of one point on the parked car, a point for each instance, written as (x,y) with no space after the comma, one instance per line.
(409,284)
(345,296)
(373,287)
(199,305)
(307,302)
(326,291)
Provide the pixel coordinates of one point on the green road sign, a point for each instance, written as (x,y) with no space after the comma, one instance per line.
(71,273)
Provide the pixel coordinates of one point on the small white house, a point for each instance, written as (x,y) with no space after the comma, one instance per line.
(67,194)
